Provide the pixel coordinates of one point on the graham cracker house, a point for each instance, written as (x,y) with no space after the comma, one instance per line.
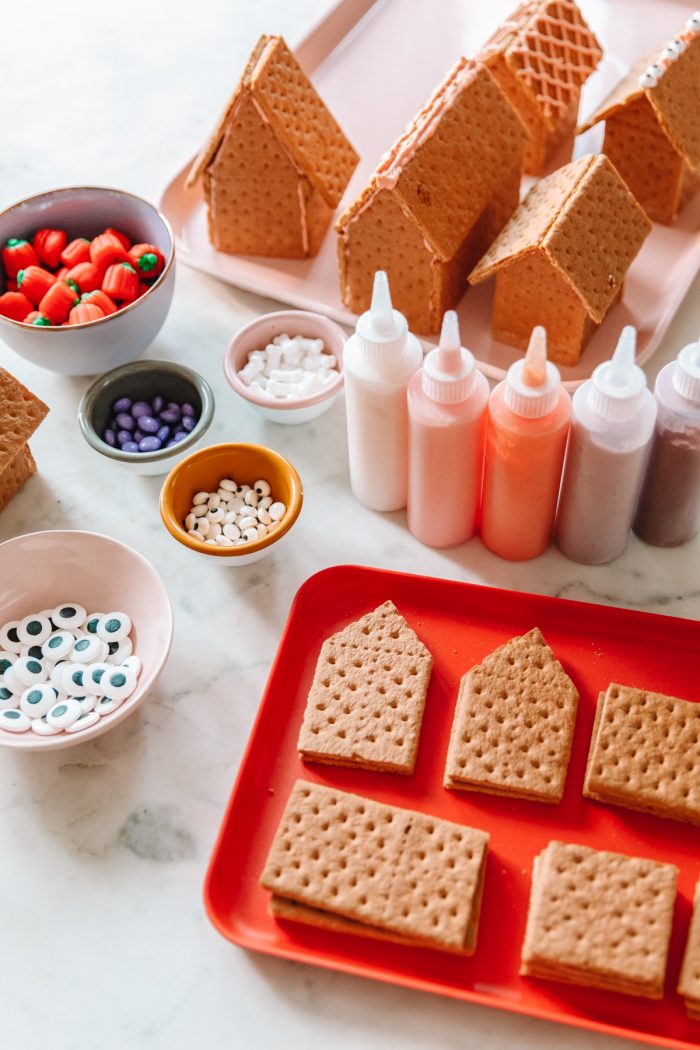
(562,259)
(21,412)
(277,163)
(436,201)
(652,126)
(541,56)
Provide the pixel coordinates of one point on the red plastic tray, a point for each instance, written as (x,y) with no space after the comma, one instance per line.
(461,623)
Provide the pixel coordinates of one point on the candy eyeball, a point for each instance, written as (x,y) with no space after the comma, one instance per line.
(650,76)
(693,23)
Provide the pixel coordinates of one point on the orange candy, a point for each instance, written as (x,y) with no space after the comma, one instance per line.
(15,306)
(147,260)
(58,302)
(37,318)
(85,276)
(121,237)
(121,282)
(48,245)
(85,312)
(78,251)
(100,299)
(107,249)
(34,282)
(17,255)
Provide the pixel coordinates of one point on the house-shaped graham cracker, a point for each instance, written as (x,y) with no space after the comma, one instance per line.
(21,412)
(599,919)
(366,702)
(514,723)
(277,164)
(562,259)
(652,126)
(689,982)
(541,56)
(353,865)
(436,201)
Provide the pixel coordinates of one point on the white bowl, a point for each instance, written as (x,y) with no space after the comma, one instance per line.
(257,334)
(95,346)
(43,569)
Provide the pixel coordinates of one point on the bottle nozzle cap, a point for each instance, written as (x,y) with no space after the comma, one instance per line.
(381,330)
(448,370)
(686,374)
(532,385)
(618,385)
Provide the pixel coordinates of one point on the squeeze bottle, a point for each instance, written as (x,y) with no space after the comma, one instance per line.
(447,401)
(378,361)
(669,506)
(528,422)
(613,422)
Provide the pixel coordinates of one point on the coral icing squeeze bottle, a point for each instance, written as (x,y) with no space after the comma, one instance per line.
(528,423)
(447,401)
(378,361)
(613,422)
(669,506)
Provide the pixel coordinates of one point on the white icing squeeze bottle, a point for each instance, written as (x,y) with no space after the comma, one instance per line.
(613,421)
(378,361)
(669,506)
(447,401)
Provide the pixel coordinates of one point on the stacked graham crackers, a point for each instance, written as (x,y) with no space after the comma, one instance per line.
(21,412)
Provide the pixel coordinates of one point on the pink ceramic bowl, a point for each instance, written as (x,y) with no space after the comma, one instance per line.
(256,336)
(43,569)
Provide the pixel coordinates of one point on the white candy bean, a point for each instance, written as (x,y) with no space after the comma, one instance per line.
(199,498)
(216,514)
(277,511)
(247,522)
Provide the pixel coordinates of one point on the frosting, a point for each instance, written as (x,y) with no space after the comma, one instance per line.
(652,74)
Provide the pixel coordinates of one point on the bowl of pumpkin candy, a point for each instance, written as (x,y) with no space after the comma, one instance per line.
(86,280)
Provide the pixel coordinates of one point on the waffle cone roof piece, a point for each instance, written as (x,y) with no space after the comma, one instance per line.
(585,222)
(550,48)
(277,163)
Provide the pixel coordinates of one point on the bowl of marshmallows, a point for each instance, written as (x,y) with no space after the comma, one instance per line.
(287,365)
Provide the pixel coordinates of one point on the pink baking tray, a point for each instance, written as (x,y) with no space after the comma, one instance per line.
(374,63)
(460,623)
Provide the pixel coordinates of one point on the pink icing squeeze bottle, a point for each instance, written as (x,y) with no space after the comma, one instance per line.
(528,423)
(447,401)
(378,361)
(613,422)
(669,506)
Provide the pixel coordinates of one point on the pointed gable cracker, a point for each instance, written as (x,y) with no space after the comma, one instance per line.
(298,116)
(21,412)
(366,702)
(676,102)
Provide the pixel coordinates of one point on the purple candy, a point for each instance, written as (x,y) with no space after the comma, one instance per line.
(188,409)
(148,424)
(150,444)
(124,421)
(163,434)
(109,437)
(124,435)
(140,408)
(180,435)
(171,443)
(158,403)
(188,423)
(139,435)
(122,405)
(130,446)
(170,416)
(172,406)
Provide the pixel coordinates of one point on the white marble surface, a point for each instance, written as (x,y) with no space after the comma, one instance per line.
(103,939)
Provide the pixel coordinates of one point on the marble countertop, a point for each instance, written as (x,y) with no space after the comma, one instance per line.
(104,846)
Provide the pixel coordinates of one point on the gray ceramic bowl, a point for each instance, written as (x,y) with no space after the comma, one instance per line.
(95,346)
(141,381)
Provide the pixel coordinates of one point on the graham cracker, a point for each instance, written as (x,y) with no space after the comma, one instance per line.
(586,225)
(366,701)
(599,919)
(394,871)
(645,753)
(277,163)
(689,981)
(676,101)
(21,412)
(13,477)
(514,723)
(445,182)
(542,55)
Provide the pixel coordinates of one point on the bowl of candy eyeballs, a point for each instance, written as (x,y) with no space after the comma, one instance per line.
(86,278)
(147,415)
(85,629)
(288,365)
(231,502)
